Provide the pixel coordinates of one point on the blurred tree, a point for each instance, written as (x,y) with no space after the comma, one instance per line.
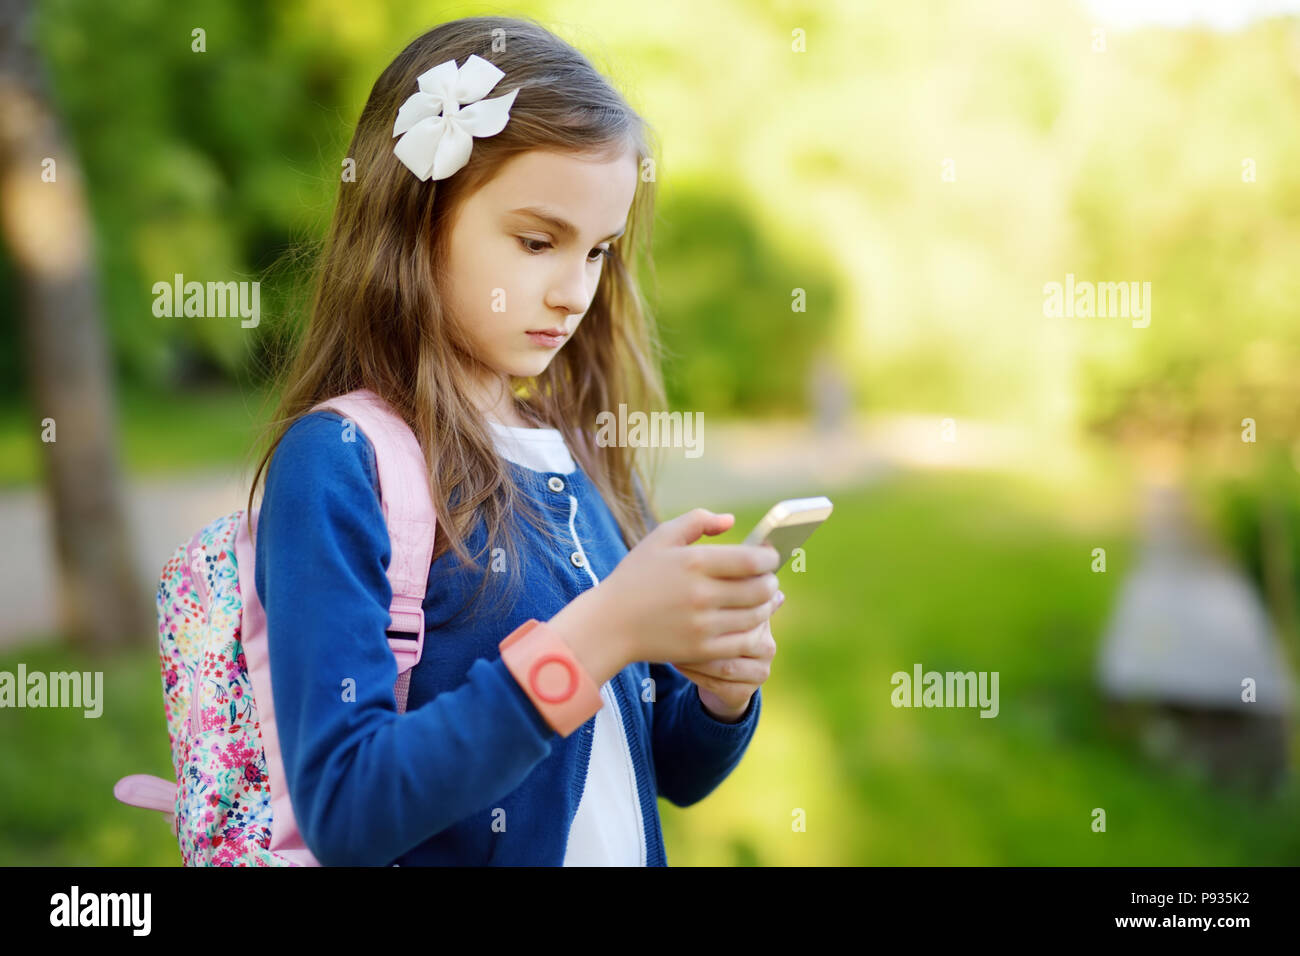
(744,315)
(48,236)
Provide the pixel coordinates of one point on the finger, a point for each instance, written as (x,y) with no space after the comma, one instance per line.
(736,560)
(708,681)
(744,592)
(724,688)
(741,643)
(757,645)
(743,670)
(735,620)
(688,527)
(763,649)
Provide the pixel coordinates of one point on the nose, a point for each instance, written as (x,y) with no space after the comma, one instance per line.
(570,290)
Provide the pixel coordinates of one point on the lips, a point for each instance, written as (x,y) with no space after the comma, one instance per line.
(560,333)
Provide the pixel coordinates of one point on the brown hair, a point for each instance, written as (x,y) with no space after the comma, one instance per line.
(378,321)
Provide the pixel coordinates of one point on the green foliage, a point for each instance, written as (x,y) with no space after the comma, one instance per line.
(207,164)
(1257,516)
(215,164)
(728,294)
(1194,188)
(1122,164)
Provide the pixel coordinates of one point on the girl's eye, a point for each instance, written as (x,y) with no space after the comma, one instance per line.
(597,252)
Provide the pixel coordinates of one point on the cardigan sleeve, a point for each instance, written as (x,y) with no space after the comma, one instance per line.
(366,783)
(693,750)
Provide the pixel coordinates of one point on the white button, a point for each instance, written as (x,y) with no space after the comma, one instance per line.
(576,558)
(555,484)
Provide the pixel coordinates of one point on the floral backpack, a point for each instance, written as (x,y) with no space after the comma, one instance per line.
(229,804)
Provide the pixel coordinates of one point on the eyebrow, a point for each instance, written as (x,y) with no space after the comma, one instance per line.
(563,227)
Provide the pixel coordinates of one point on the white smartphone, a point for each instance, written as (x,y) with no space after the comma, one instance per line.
(789,523)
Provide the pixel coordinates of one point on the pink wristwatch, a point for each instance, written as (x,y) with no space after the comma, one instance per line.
(558,685)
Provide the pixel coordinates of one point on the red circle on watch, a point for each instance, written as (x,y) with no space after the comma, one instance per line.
(556,659)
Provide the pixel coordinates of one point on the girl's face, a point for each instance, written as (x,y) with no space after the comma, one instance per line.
(512,270)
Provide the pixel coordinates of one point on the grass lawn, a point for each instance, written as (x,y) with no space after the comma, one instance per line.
(959,572)
(951,571)
(56,797)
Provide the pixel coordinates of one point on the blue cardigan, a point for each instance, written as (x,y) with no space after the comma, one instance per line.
(471,774)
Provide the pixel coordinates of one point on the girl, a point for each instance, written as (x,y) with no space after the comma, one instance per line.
(476,220)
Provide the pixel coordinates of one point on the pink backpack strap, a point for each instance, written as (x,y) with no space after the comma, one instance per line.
(408,509)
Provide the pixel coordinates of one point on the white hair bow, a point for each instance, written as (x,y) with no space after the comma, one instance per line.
(438,133)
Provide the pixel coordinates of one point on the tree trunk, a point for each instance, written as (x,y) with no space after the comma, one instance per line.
(46,229)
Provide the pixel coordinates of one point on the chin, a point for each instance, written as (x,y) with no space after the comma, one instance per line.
(526,369)
(540,363)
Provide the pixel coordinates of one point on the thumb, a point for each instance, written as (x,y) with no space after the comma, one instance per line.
(687,528)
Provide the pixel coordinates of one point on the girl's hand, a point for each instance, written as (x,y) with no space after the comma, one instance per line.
(667,601)
(691,604)
(726,685)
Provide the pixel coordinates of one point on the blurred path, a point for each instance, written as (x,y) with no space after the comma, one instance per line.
(744,464)
(1188,630)
(1188,624)
(162,513)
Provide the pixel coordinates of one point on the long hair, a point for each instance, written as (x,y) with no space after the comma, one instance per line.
(378,320)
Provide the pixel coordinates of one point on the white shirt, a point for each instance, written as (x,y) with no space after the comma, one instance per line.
(608,829)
